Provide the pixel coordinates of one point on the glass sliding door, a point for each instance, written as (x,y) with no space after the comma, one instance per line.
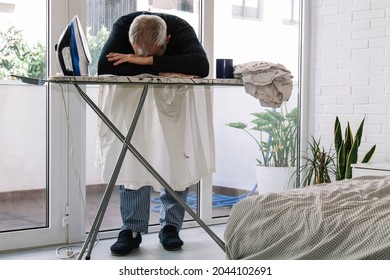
(23,117)
(37,161)
(273,37)
(100,17)
(247,31)
(32,200)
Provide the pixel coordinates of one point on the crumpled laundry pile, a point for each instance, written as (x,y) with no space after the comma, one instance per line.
(269,82)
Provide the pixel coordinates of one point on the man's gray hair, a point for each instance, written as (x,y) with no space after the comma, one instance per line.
(147,31)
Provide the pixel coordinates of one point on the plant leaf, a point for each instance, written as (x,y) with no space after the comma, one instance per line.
(238,125)
(369,154)
(351,159)
(359,133)
(348,141)
(340,175)
(337,134)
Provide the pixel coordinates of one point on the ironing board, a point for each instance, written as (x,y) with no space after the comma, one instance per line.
(144,81)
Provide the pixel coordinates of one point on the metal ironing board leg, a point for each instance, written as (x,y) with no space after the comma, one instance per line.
(91,238)
(127,145)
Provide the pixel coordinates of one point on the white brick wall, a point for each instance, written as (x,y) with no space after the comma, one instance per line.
(350,71)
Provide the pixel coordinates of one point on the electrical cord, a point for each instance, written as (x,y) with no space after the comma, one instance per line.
(70,253)
(218,200)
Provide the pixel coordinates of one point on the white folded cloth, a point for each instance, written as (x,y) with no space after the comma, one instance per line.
(269,82)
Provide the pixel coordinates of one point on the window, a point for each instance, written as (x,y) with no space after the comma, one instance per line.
(101,16)
(247,9)
(291,12)
(7,7)
(187,5)
(181,5)
(28,153)
(245,41)
(23,114)
(230,182)
(22,50)
(104,13)
(31,210)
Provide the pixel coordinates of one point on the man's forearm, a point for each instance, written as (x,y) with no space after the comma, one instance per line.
(119,58)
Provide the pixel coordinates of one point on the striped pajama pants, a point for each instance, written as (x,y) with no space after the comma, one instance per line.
(135,209)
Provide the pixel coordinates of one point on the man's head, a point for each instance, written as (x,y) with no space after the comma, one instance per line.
(148,35)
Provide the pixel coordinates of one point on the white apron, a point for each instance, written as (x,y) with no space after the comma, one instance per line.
(174,134)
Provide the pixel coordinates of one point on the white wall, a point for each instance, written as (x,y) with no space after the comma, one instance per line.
(349,71)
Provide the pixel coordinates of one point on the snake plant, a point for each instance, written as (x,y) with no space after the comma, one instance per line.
(347,149)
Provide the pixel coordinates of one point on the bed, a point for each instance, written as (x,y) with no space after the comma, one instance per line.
(347,219)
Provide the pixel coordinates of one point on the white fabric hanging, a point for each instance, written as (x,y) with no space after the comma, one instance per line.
(174,134)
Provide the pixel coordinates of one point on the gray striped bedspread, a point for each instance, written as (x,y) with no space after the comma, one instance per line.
(347,219)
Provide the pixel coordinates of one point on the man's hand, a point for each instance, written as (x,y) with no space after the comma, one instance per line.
(119,58)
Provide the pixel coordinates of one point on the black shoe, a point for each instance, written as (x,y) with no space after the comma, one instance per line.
(169,238)
(125,243)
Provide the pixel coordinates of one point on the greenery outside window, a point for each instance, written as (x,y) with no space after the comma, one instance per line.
(20,57)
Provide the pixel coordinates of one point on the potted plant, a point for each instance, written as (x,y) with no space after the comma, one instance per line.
(318,165)
(276,138)
(347,149)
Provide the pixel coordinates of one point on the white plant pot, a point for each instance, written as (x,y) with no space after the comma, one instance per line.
(274,179)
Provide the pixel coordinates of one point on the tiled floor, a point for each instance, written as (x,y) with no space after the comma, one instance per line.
(27,209)
(22,210)
(198,245)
